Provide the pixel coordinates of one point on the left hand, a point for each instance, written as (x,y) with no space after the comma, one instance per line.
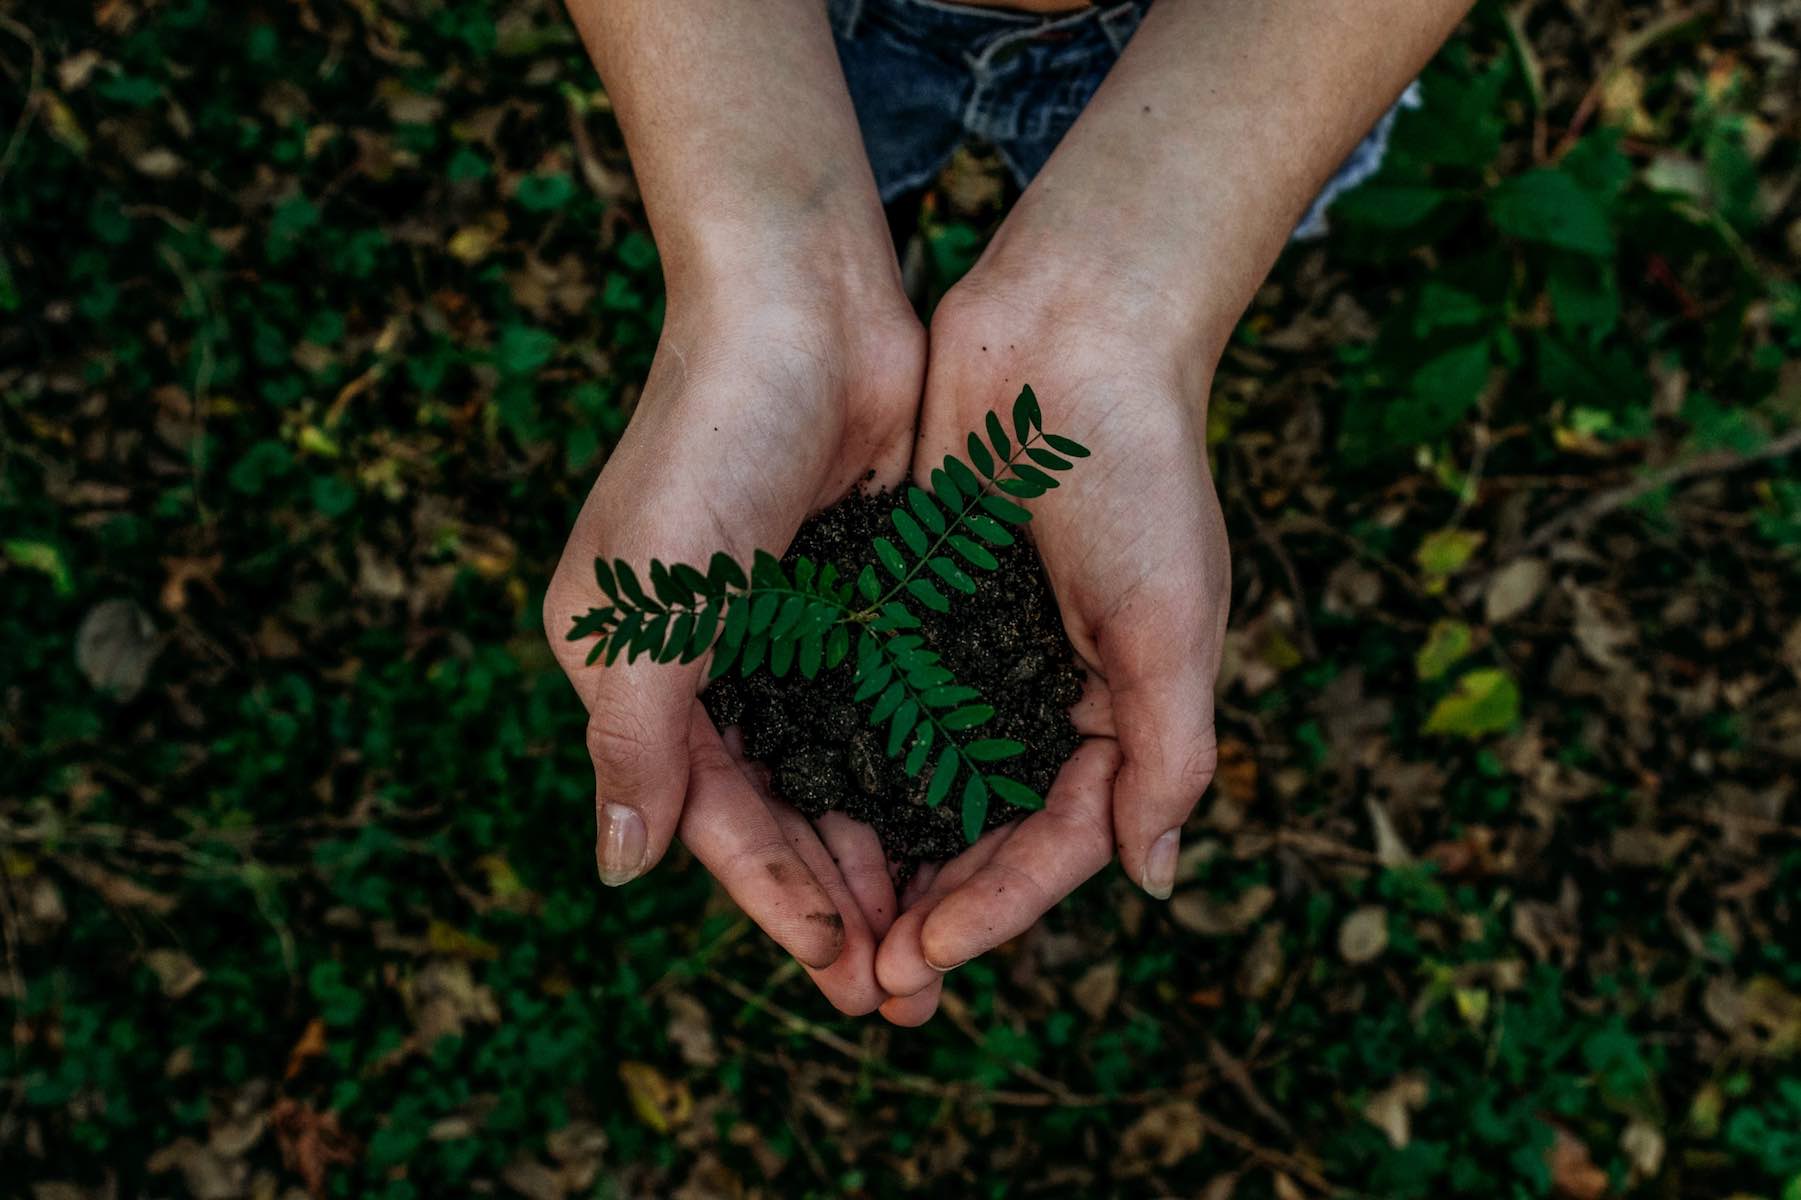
(1135,548)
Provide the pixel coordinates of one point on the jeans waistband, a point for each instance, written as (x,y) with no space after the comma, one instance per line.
(943,20)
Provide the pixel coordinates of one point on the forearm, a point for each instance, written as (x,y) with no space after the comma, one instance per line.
(1189,169)
(743,139)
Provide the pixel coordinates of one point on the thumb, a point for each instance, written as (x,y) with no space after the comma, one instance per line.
(638,721)
(637,737)
(1163,714)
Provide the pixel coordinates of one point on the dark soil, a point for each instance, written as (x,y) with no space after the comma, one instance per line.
(822,753)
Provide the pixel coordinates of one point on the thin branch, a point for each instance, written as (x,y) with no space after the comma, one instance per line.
(1716,462)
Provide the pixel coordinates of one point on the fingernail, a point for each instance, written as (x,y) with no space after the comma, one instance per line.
(1160,865)
(944,970)
(619,850)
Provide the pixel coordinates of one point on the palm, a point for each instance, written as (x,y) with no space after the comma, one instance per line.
(736,440)
(1134,546)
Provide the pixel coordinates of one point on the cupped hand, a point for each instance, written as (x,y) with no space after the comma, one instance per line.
(1135,548)
(754,415)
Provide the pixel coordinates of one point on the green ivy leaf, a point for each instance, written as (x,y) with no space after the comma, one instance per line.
(1447,642)
(1547,205)
(1485,701)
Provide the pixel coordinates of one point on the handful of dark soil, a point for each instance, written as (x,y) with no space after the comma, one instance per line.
(1006,640)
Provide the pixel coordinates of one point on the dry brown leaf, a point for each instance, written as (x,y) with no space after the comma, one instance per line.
(1261,968)
(691,1029)
(117,889)
(115,646)
(175,971)
(1162,1136)
(1574,1174)
(207,1174)
(1513,589)
(1364,935)
(1391,1109)
(533,1180)
(1201,912)
(1095,991)
(311,1142)
(310,1046)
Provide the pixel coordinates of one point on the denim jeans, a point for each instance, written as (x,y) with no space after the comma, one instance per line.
(927,74)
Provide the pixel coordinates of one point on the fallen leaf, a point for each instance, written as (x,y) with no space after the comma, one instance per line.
(1199,911)
(1446,643)
(533,1180)
(1162,1136)
(1603,627)
(115,646)
(1364,934)
(1513,589)
(311,1142)
(1643,1145)
(661,1103)
(310,1046)
(1574,1174)
(1444,552)
(118,890)
(691,1029)
(1391,851)
(1485,701)
(207,1174)
(175,971)
(1261,968)
(1095,991)
(1391,1109)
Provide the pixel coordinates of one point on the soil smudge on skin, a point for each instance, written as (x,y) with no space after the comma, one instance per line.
(822,753)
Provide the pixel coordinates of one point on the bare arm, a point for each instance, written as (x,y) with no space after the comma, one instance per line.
(742,137)
(788,369)
(1112,288)
(1219,124)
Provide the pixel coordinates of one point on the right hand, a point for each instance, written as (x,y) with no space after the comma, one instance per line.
(758,411)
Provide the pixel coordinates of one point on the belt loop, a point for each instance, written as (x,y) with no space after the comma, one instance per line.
(846,15)
(1121,22)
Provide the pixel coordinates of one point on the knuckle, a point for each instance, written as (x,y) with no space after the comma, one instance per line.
(619,743)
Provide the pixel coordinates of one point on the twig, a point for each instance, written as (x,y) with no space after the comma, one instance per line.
(28,111)
(1713,463)
(1303,624)
(882,1077)
(1629,48)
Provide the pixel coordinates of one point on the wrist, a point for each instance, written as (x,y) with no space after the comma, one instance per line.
(1112,272)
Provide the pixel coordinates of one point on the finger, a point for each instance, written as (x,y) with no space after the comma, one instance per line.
(864,868)
(917,1009)
(639,716)
(732,832)
(1051,853)
(638,732)
(849,982)
(1163,709)
(900,964)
